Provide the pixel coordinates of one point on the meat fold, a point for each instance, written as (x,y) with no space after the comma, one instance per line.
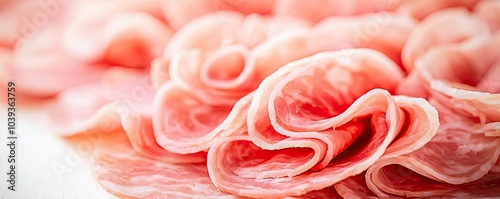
(310,126)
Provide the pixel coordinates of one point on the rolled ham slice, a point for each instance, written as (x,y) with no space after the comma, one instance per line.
(444,27)
(176,15)
(317,10)
(127,174)
(455,163)
(183,124)
(423,9)
(305,134)
(95,108)
(461,160)
(470,63)
(489,11)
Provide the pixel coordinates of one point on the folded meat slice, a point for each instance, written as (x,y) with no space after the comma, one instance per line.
(183,124)
(224,76)
(71,44)
(313,123)
(317,10)
(473,62)
(217,29)
(48,63)
(385,32)
(424,8)
(460,161)
(220,62)
(482,105)
(489,11)
(448,26)
(355,187)
(94,108)
(130,39)
(124,172)
(496,167)
(454,163)
(129,34)
(131,164)
(202,73)
(180,13)
(139,130)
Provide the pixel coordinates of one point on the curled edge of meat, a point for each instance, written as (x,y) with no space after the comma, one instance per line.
(236,180)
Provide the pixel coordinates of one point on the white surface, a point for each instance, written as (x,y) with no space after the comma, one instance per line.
(38,153)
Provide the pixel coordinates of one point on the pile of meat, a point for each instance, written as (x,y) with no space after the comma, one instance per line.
(269,99)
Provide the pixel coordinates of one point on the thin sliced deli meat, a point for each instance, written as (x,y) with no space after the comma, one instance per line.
(474,62)
(129,39)
(95,107)
(123,172)
(441,28)
(139,130)
(424,8)
(385,32)
(462,159)
(484,106)
(48,63)
(355,187)
(175,11)
(217,77)
(306,134)
(71,43)
(122,162)
(455,163)
(128,174)
(184,124)
(496,167)
(317,10)
(220,62)
(267,98)
(489,11)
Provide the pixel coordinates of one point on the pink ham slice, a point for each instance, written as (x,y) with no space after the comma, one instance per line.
(217,79)
(489,11)
(355,187)
(217,74)
(454,163)
(317,10)
(139,130)
(121,35)
(496,167)
(183,124)
(22,20)
(127,174)
(376,31)
(94,108)
(444,27)
(48,63)
(48,49)
(124,165)
(176,15)
(484,106)
(467,63)
(458,160)
(219,61)
(303,142)
(422,9)
(222,77)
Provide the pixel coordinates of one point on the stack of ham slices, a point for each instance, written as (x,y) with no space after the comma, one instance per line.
(269,99)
